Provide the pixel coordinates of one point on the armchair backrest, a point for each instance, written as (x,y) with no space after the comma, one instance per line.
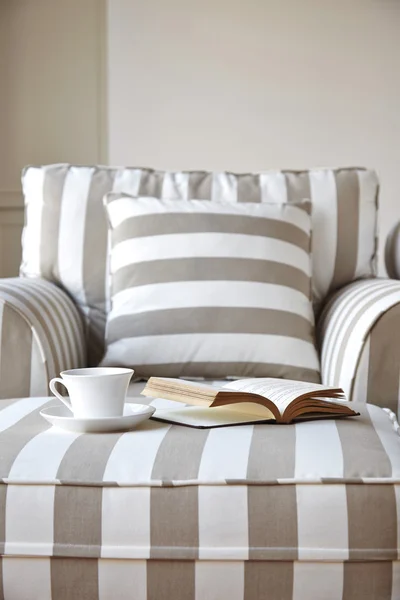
(65,235)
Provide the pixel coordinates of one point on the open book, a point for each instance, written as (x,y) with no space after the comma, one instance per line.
(247,401)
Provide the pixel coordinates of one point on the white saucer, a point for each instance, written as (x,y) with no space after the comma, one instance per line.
(61,416)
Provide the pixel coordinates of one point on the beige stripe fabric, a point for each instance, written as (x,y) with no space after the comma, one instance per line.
(174,530)
(172,458)
(12,360)
(196,324)
(347,186)
(360,344)
(73,579)
(361,378)
(378,374)
(279,465)
(364,503)
(145,225)
(232,320)
(199,580)
(76,579)
(272,532)
(166,579)
(42,334)
(77,519)
(64,201)
(172,493)
(227,269)
(265,580)
(365,435)
(366,580)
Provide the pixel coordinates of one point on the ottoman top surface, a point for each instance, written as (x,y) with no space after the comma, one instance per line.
(364,449)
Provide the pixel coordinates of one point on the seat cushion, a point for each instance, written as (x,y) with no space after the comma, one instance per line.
(315,491)
(65,236)
(210,289)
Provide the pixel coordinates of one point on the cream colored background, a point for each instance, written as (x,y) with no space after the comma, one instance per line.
(257,84)
(213,84)
(51,98)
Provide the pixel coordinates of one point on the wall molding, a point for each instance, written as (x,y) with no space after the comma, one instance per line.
(11,199)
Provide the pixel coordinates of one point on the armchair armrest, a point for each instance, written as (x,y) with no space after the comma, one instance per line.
(359,336)
(41,334)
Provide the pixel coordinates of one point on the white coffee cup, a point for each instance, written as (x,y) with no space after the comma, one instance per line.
(94,392)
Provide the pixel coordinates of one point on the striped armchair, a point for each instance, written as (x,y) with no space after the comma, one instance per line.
(53,317)
(360,342)
(42,333)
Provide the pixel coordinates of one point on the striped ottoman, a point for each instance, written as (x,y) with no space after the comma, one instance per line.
(298,512)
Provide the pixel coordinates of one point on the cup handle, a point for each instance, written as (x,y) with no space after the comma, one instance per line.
(52,386)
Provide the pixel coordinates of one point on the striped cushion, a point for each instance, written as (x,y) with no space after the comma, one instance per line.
(210,289)
(64,203)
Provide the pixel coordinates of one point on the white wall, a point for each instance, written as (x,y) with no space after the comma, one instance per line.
(257,84)
(52,96)
(213,84)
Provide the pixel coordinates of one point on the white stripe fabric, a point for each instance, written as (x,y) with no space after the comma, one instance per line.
(223,451)
(218,509)
(64,202)
(190,248)
(42,334)
(35,582)
(175,186)
(252,294)
(387,441)
(207,245)
(274,187)
(118,529)
(224,187)
(10,415)
(71,237)
(215,580)
(36,448)
(358,331)
(25,522)
(309,461)
(127,180)
(321,535)
(396,580)
(397,494)
(269,350)
(33,184)
(139,470)
(323,187)
(310,583)
(119,578)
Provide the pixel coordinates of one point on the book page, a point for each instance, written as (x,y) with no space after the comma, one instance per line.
(204,417)
(280,391)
